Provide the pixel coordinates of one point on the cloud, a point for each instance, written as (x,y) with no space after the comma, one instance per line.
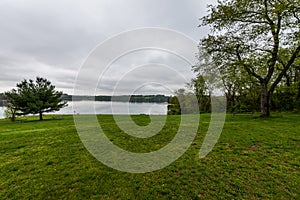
(53,38)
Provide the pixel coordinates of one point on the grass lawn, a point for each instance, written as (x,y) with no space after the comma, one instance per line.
(254,159)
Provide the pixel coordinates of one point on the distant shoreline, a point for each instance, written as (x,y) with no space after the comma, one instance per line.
(120,98)
(158,98)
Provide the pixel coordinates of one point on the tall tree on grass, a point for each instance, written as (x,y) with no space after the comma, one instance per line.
(35,97)
(262,37)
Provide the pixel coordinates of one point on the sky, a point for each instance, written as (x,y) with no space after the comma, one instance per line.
(55,39)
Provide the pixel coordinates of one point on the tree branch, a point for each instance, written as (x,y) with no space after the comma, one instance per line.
(274,58)
(248,68)
(285,68)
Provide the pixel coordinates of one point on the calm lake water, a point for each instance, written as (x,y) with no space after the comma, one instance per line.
(105,107)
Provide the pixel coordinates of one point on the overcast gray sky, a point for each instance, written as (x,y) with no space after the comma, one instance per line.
(53,38)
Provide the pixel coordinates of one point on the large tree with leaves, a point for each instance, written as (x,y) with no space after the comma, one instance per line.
(37,97)
(261,37)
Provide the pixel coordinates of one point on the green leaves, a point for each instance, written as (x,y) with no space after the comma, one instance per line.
(254,36)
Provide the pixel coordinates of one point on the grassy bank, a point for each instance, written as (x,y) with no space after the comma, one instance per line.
(255,158)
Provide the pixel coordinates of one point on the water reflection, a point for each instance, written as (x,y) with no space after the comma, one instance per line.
(106,107)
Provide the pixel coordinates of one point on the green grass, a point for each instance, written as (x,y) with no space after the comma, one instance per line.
(254,159)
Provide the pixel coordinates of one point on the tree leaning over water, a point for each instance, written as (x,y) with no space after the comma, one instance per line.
(258,37)
(35,97)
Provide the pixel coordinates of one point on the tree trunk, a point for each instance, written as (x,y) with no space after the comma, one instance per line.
(13,117)
(41,116)
(13,113)
(265,101)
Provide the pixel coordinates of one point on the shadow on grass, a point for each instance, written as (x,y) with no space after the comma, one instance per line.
(31,119)
(257,116)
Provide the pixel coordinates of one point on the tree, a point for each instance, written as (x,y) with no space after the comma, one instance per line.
(1,99)
(184,102)
(202,93)
(35,98)
(10,112)
(261,37)
(241,90)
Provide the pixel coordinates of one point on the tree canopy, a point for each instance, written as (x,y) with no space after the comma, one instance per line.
(37,97)
(256,40)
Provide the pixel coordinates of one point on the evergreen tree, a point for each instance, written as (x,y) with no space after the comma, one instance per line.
(35,97)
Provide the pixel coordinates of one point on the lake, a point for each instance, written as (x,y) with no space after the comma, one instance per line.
(107,107)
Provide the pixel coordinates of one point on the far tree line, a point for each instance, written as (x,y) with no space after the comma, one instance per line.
(120,98)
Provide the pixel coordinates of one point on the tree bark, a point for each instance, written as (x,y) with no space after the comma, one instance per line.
(265,100)
(13,117)
(41,116)
(270,94)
